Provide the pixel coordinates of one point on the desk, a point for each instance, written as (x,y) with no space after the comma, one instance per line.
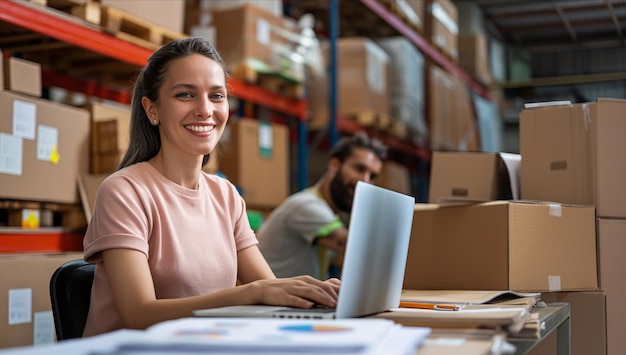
(482,342)
(555,316)
(442,341)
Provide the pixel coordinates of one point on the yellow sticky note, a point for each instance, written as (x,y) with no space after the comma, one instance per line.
(54,155)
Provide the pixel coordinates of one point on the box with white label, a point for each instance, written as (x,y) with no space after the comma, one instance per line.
(25,308)
(44,147)
(254,155)
(249,33)
(503,245)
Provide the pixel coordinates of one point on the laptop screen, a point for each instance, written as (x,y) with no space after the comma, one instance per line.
(376,251)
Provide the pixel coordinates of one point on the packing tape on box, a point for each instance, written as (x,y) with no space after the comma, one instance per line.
(587,115)
(556,210)
(554,283)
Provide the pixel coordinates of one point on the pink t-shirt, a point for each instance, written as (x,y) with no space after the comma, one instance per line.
(190,237)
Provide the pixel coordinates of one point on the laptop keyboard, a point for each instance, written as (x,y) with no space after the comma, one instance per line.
(314,312)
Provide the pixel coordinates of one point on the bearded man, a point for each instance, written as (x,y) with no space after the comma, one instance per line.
(308,230)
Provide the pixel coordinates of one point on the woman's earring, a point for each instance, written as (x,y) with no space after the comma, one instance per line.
(155,122)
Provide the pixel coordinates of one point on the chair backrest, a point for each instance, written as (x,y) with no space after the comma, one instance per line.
(70,295)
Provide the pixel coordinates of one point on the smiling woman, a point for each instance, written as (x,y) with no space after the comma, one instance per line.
(160,79)
(166,237)
(191,111)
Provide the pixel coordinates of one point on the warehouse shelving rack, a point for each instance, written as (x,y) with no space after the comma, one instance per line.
(339,124)
(63,27)
(422,44)
(30,16)
(53,24)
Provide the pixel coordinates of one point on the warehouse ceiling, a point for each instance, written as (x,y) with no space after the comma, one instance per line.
(535,25)
(540,25)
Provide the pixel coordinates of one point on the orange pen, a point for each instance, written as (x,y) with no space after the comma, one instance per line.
(433,306)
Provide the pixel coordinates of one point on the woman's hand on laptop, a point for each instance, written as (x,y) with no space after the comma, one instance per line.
(300,291)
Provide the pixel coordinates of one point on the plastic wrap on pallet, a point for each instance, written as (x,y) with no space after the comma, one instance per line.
(407,85)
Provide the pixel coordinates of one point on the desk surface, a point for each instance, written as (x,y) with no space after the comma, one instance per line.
(442,341)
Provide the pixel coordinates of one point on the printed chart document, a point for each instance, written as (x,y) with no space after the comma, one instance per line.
(233,336)
(276,336)
(99,344)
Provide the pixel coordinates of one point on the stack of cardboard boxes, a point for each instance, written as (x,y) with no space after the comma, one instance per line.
(45,144)
(572,154)
(474,57)
(253,153)
(486,240)
(362,64)
(110,124)
(25,308)
(43,148)
(562,236)
(451,116)
(441,26)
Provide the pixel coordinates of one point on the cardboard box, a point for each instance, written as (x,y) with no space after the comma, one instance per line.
(104,137)
(88,185)
(213,165)
(573,154)
(107,119)
(587,323)
(255,157)
(413,12)
(611,262)
(107,112)
(502,245)
(362,64)
(451,116)
(42,158)
(248,32)
(474,56)
(105,156)
(22,76)
(104,163)
(198,15)
(168,14)
(469,176)
(396,177)
(25,309)
(441,27)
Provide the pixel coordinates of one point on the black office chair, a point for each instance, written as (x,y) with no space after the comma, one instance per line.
(70,294)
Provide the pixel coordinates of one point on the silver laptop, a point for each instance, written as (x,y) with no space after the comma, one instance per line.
(374,263)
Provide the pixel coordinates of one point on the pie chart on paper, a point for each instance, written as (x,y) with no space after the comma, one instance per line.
(314,328)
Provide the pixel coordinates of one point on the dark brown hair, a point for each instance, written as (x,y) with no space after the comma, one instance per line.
(344,147)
